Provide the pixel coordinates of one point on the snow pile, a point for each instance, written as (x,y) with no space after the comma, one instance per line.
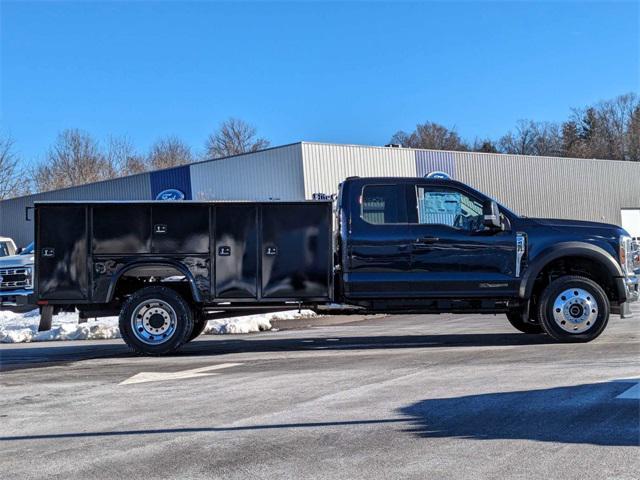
(23,327)
(252,323)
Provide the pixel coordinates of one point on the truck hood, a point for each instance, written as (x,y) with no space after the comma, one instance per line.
(16,261)
(563,223)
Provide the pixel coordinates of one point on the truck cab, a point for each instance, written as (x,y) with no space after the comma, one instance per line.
(438,245)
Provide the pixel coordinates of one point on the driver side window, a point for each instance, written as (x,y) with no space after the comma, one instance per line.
(445,206)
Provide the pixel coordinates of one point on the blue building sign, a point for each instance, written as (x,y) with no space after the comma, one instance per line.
(430,162)
(171,184)
(439,175)
(170,194)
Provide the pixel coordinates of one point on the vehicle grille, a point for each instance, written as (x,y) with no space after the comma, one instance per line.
(13,278)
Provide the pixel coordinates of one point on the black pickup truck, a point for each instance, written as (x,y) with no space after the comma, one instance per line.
(391,245)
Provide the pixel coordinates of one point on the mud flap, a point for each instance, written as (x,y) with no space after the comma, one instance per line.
(46,316)
(625,310)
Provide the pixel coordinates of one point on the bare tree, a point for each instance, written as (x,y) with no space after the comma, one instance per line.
(168,152)
(485,146)
(633,136)
(432,136)
(74,159)
(122,155)
(606,129)
(234,137)
(13,181)
(533,138)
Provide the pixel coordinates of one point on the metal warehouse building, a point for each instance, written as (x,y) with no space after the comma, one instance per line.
(599,190)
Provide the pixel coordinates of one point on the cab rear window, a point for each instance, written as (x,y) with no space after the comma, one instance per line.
(382,204)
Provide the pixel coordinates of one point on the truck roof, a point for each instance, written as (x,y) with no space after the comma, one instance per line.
(435,181)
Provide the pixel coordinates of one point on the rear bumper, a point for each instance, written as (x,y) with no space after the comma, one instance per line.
(16,299)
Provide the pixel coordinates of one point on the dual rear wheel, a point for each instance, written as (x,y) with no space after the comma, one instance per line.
(157,321)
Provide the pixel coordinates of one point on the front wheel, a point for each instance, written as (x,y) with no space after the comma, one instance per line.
(155,321)
(573,309)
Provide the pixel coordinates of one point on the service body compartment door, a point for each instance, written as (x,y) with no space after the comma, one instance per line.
(121,229)
(61,252)
(296,250)
(180,229)
(236,251)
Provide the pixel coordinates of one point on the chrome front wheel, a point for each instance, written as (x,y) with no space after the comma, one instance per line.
(575,310)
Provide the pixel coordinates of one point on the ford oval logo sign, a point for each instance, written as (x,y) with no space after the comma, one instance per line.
(170,194)
(439,175)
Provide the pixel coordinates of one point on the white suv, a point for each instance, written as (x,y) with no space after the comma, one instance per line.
(16,278)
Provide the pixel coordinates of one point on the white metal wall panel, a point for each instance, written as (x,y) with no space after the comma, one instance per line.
(269,174)
(326,165)
(631,221)
(14,224)
(554,187)
(535,186)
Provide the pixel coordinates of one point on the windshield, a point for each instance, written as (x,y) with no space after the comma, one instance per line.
(28,250)
(502,207)
(5,249)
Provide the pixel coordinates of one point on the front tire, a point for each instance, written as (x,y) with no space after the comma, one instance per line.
(155,321)
(573,309)
(515,319)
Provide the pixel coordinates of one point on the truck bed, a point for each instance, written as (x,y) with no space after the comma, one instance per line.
(229,252)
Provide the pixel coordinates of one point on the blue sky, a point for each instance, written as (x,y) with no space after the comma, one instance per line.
(334,72)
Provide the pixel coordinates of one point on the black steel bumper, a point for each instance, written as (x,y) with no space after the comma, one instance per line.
(16,299)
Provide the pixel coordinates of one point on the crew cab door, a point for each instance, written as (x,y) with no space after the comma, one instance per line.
(379,244)
(453,254)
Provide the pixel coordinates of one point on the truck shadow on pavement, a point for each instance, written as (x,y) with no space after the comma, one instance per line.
(261,342)
(588,414)
(64,352)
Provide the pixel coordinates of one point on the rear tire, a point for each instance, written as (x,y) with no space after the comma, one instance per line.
(573,309)
(155,321)
(515,319)
(199,324)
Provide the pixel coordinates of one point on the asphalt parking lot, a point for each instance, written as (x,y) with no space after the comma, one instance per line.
(449,396)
